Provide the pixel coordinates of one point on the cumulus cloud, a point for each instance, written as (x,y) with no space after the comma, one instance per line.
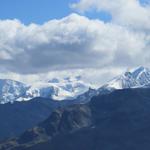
(78,45)
(73,42)
(130,13)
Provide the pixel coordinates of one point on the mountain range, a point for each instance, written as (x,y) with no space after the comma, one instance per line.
(139,77)
(37,101)
(118,120)
(68,88)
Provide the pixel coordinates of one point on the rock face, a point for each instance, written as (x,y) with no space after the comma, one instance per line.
(17,117)
(117,121)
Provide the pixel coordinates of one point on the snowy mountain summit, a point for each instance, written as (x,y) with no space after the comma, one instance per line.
(70,87)
(140,77)
(57,89)
(11,90)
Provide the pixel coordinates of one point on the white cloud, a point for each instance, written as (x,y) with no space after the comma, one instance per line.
(95,77)
(74,42)
(78,45)
(124,12)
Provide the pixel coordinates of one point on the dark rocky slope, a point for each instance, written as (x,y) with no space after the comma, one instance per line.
(17,117)
(117,121)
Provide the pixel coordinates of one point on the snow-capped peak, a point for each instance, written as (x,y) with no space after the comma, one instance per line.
(137,72)
(11,90)
(131,79)
(69,87)
(58,89)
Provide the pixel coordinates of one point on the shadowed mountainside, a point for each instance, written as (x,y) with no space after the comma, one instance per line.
(17,117)
(119,120)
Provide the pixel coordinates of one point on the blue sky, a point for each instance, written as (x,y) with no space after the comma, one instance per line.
(40,11)
(37,11)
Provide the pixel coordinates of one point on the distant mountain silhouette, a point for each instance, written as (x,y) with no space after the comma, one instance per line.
(117,121)
(17,117)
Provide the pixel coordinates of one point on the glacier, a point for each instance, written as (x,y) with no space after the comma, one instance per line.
(64,89)
(137,78)
(70,88)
